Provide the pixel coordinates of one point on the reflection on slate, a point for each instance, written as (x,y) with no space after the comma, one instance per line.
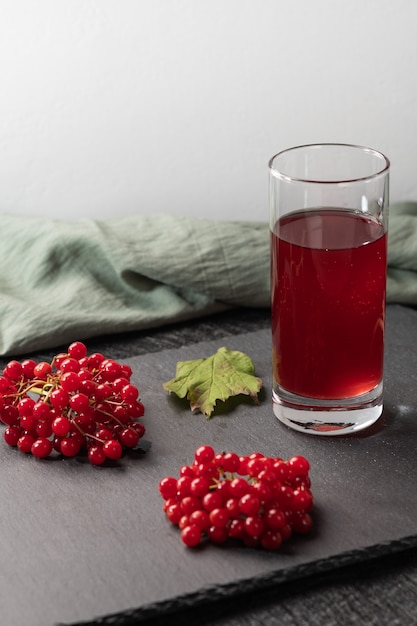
(80,542)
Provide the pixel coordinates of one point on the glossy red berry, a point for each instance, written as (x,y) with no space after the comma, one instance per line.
(191,535)
(168,487)
(96,455)
(70,446)
(77,350)
(25,443)
(204,454)
(129,437)
(12,435)
(42,369)
(41,447)
(13,370)
(112,449)
(61,426)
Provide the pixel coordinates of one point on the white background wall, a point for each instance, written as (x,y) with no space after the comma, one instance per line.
(118,107)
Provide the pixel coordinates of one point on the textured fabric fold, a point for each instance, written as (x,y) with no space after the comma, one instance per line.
(61,281)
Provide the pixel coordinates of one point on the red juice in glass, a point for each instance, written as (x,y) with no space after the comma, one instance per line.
(328,283)
(329,222)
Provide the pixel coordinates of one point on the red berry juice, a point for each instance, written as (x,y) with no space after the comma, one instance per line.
(328,279)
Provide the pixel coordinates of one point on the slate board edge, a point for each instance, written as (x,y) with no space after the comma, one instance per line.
(217,593)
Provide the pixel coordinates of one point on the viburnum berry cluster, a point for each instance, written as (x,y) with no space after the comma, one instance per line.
(77,403)
(259,500)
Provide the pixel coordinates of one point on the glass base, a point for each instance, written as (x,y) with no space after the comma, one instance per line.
(318,417)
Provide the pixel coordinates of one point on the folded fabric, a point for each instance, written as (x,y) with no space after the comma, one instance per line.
(62,281)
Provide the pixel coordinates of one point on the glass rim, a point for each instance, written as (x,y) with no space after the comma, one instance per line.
(315,181)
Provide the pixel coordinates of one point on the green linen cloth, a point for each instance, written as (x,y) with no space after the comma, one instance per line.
(62,281)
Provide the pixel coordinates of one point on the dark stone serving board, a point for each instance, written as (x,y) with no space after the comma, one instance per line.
(82,542)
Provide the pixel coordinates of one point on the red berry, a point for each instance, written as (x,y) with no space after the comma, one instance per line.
(25,406)
(254,466)
(275,519)
(95,359)
(140,428)
(199,486)
(126,371)
(136,409)
(263,490)
(70,381)
(12,434)
(230,462)
(27,367)
(102,391)
(184,521)
(61,426)
(109,369)
(168,487)
(186,470)
(217,534)
(302,524)
(174,513)
(118,384)
(70,446)
(41,410)
(28,422)
(129,393)
(96,455)
(238,487)
(79,401)
(254,525)
(249,504)
(219,517)
(112,449)
(236,528)
(13,370)
(191,535)
(69,365)
(42,369)
(121,414)
(212,500)
(25,443)
(299,465)
(232,505)
(184,486)
(302,500)
(43,428)
(222,487)
(204,454)
(104,433)
(129,437)
(200,518)
(59,398)
(9,415)
(41,448)
(271,540)
(77,350)
(209,470)
(4,384)
(189,504)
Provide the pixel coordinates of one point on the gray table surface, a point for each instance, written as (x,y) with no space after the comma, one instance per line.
(382,590)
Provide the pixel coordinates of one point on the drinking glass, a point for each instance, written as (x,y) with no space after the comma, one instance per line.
(328,223)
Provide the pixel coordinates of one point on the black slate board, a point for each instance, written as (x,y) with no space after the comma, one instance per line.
(80,542)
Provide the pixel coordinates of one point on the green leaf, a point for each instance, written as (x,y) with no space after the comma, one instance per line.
(225,374)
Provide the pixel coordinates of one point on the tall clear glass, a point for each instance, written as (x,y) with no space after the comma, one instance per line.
(329,223)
